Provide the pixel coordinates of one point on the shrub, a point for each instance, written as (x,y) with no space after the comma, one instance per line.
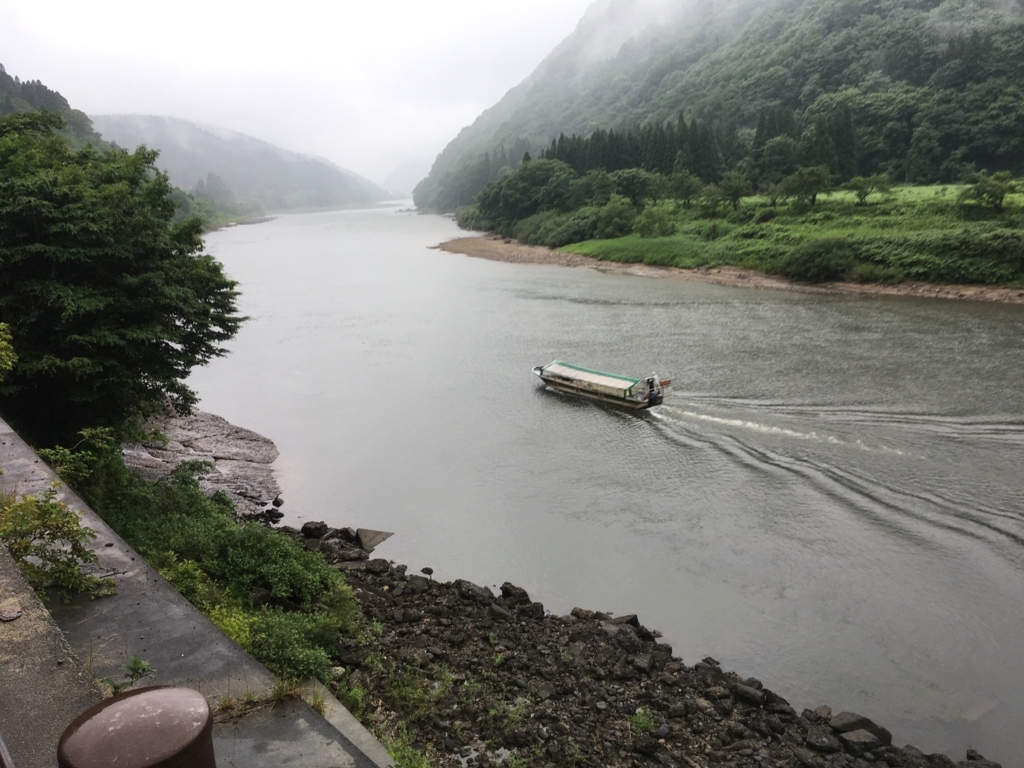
(818,261)
(47,541)
(469,217)
(657,220)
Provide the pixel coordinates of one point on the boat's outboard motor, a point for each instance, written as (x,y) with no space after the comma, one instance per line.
(652,391)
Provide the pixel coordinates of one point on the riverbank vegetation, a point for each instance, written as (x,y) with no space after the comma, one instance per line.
(801,226)
(106,305)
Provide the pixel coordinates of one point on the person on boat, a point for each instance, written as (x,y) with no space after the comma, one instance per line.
(652,392)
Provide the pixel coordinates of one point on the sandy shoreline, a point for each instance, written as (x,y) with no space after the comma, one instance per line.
(501,249)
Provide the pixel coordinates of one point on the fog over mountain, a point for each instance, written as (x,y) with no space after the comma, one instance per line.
(632,63)
(251,170)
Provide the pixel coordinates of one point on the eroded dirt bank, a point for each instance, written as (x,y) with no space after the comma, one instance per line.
(502,249)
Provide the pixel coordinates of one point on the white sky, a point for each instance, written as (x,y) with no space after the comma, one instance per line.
(369,85)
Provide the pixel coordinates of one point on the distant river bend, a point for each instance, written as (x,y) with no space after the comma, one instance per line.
(831,500)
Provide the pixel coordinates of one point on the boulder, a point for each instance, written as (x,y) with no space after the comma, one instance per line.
(822,739)
(750,695)
(471,591)
(860,741)
(846,722)
(313,529)
(370,539)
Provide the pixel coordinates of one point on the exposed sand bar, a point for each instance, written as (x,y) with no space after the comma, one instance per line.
(500,249)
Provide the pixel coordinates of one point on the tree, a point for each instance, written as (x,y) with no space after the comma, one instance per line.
(657,220)
(807,183)
(615,218)
(863,187)
(685,186)
(7,355)
(710,199)
(109,304)
(638,185)
(735,187)
(989,190)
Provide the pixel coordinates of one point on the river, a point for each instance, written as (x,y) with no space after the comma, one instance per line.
(830,500)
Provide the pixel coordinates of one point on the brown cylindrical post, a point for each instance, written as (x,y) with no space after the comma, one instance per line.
(156,727)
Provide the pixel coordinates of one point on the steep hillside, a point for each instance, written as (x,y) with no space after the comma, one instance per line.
(227,166)
(21,96)
(933,87)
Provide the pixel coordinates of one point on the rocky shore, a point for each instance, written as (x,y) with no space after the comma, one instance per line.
(497,248)
(240,460)
(474,678)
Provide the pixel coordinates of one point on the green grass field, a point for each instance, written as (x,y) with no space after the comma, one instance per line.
(913,233)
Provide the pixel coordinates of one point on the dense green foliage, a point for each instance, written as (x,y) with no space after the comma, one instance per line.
(915,233)
(109,304)
(48,542)
(30,95)
(925,91)
(279,601)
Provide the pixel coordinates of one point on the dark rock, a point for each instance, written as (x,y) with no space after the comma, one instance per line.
(278,502)
(627,640)
(273,515)
(313,545)
(974,760)
(544,690)
(751,695)
(582,614)
(822,739)
(805,758)
(645,745)
(500,614)
(378,566)
(824,711)
(533,611)
(345,554)
(513,595)
(471,591)
(417,584)
(314,529)
(845,722)
(643,662)
(631,619)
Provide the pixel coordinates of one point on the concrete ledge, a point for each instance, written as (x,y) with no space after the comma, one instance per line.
(43,686)
(149,619)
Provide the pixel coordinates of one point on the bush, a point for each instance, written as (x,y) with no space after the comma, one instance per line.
(555,229)
(818,261)
(469,217)
(278,600)
(47,541)
(657,220)
(615,219)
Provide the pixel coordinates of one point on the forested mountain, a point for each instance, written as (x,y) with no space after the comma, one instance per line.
(228,167)
(921,90)
(18,96)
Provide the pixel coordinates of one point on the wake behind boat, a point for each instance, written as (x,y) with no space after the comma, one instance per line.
(606,387)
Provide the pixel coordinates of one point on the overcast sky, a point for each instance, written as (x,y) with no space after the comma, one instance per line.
(369,85)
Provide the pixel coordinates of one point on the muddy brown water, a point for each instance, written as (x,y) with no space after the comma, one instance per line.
(831,499)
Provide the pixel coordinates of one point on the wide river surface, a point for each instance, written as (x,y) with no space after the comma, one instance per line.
(830,500)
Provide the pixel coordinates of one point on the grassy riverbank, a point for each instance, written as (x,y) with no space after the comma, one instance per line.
(912,234)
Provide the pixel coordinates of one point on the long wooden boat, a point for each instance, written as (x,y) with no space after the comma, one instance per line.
(606,387)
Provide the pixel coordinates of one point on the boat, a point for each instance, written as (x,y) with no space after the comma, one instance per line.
(606,387)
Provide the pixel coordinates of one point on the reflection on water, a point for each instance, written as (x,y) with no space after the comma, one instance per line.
(831,498)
